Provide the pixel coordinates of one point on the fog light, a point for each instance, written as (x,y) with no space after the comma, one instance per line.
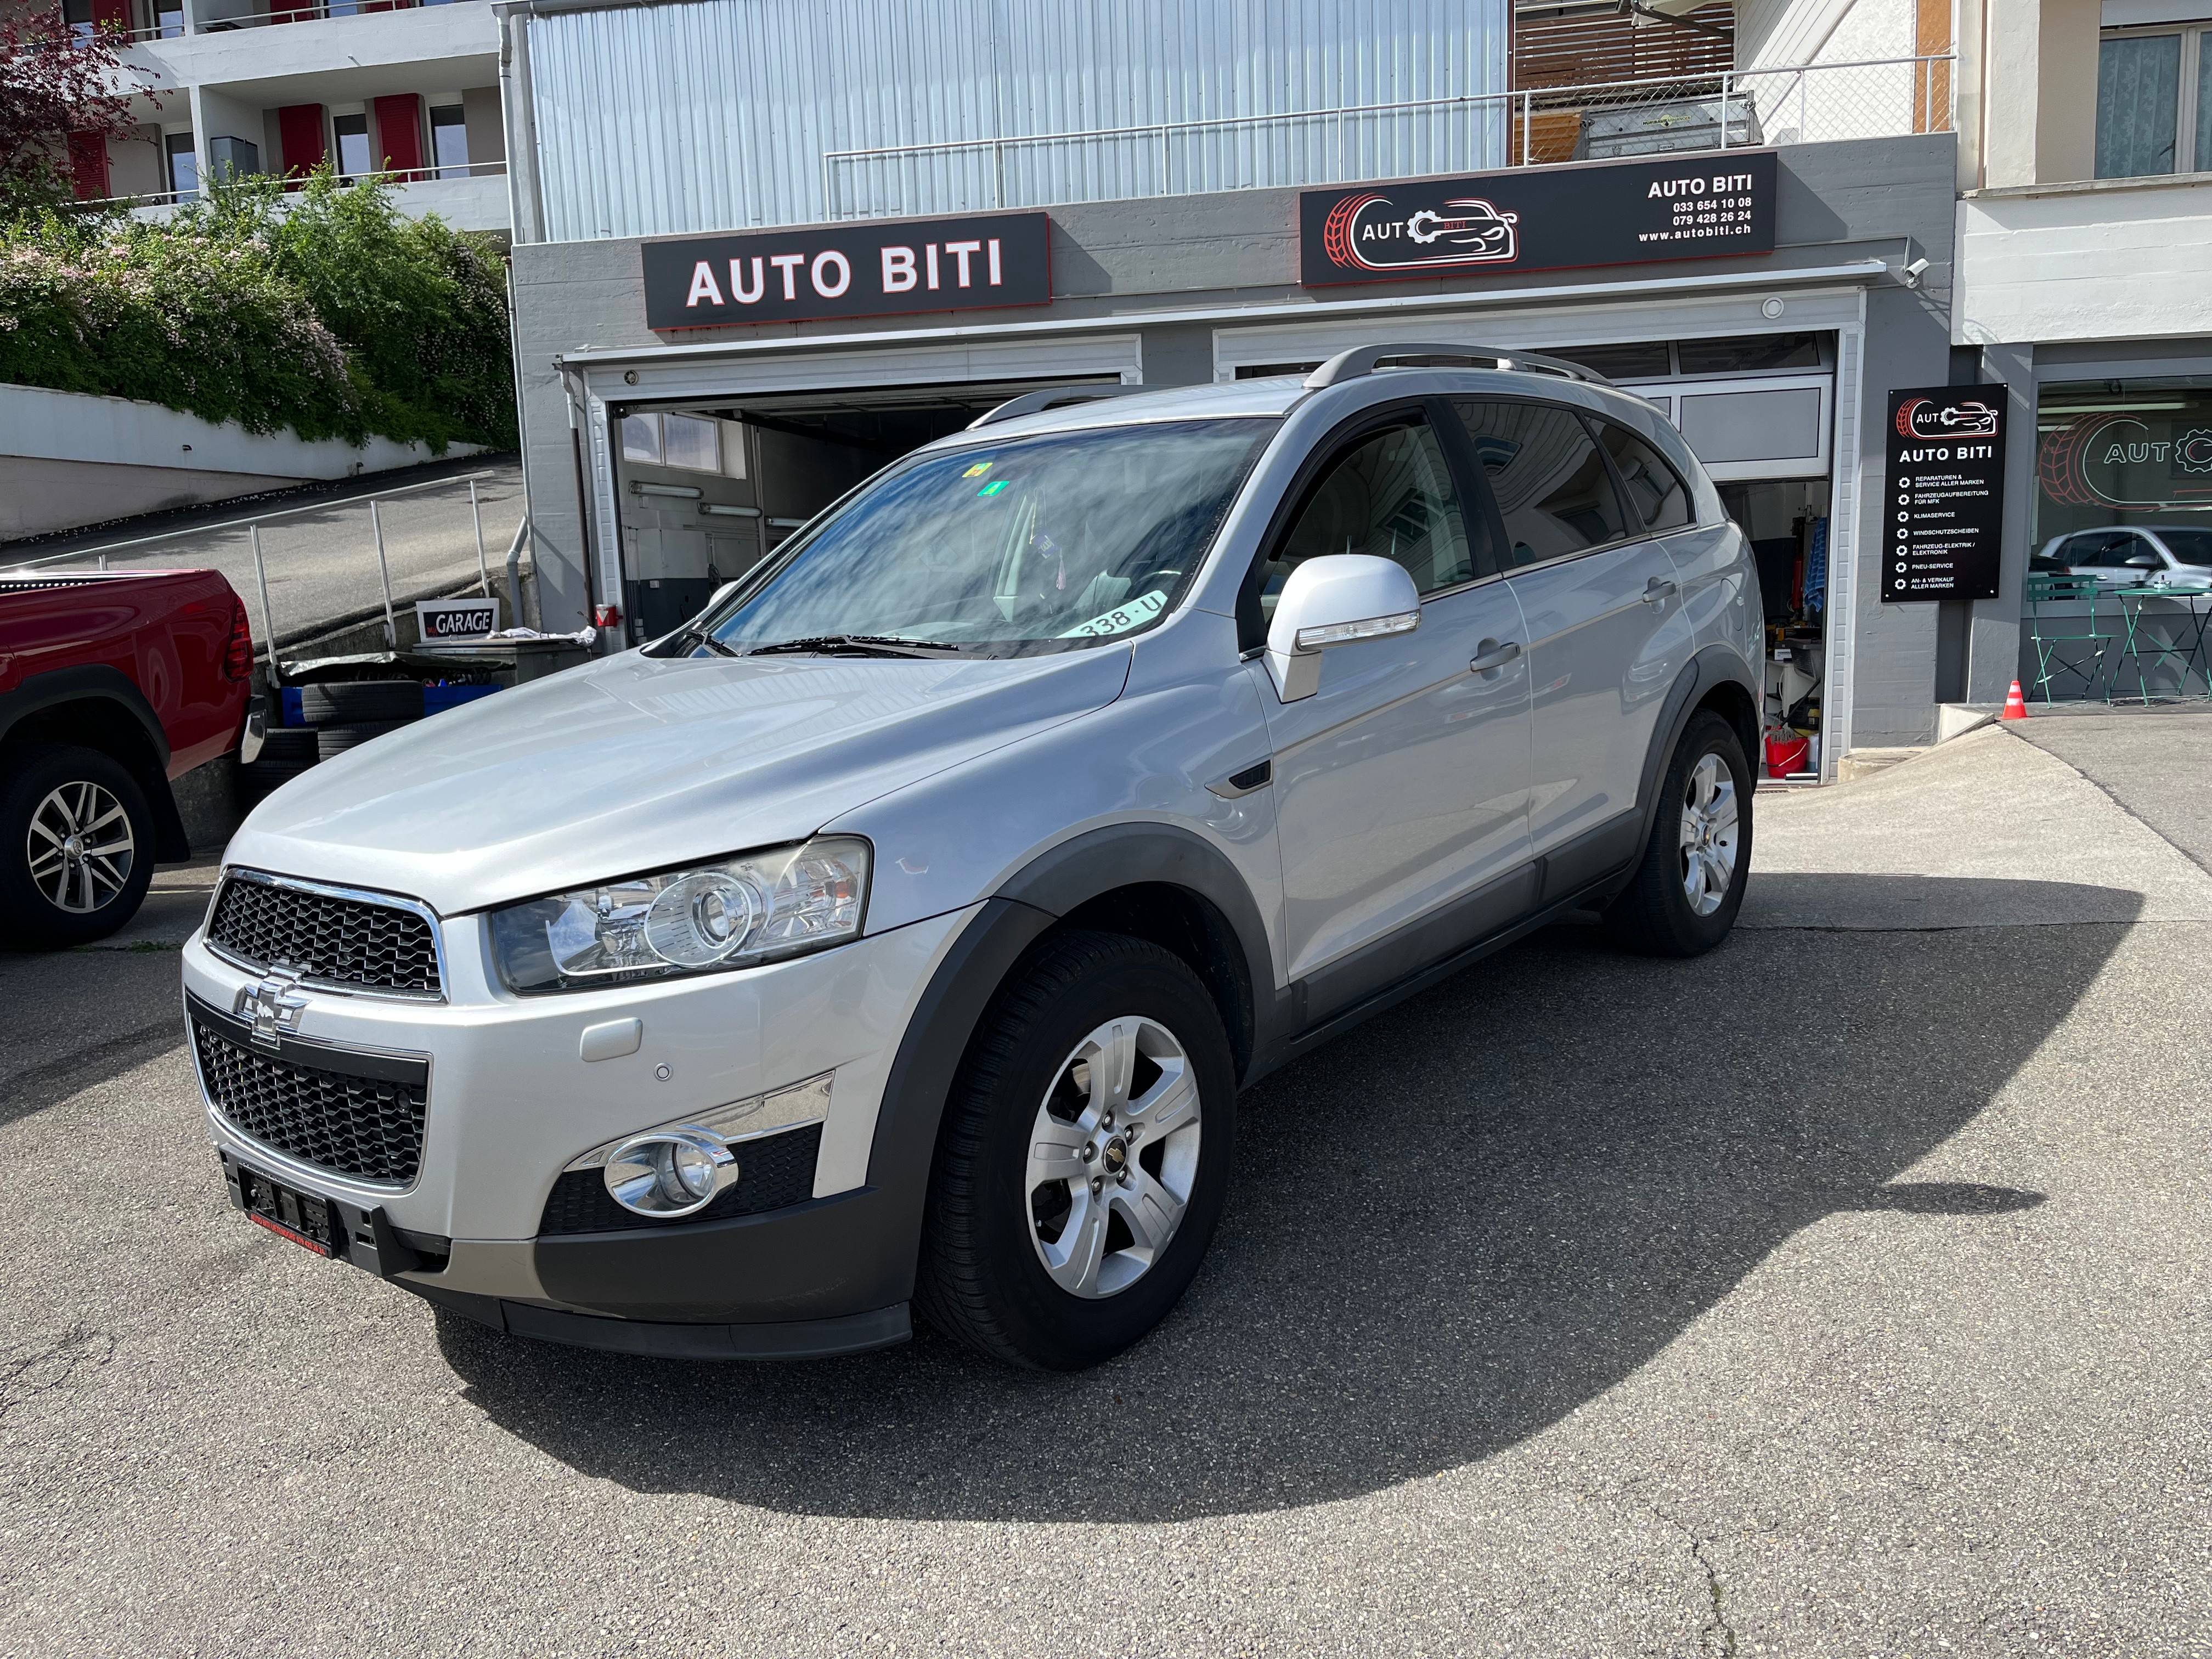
(671,1173)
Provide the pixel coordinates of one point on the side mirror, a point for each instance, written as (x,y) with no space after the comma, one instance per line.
(1336,599)
(2145,561)
(721,594)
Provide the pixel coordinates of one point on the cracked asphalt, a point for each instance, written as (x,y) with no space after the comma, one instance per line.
(1842,1292)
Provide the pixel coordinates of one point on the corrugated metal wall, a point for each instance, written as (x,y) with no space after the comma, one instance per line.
(723,114)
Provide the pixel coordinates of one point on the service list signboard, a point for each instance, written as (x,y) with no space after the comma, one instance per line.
(1943,514)
(1549,219)
(862,270)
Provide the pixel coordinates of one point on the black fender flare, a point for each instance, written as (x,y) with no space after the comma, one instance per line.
(100,683)
(1712,666)
(1026,906)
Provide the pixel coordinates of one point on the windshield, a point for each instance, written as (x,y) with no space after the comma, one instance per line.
(1036,545)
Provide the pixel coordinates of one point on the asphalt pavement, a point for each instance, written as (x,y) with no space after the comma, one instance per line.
(1841,1292)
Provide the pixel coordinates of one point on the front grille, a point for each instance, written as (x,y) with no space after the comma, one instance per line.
(772,1172)
(346,941)
(365,1120)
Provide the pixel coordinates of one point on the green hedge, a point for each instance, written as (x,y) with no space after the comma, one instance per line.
(323,310)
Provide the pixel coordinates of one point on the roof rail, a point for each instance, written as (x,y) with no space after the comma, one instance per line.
(1362,361)
(1035,403)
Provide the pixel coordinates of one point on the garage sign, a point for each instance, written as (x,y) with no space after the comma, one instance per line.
(865,269)
(455,619)
(1943,517)
(1682,206)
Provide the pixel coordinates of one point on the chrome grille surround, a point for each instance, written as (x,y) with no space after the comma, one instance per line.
(346,939)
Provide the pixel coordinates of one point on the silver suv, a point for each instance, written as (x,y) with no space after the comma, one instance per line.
(899,933)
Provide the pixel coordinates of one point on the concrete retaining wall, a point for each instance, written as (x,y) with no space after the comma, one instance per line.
(68,459)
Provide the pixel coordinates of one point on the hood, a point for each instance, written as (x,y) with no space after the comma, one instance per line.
(635,765)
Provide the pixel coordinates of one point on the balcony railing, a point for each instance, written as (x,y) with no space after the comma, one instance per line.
(412,176)
(173,25)
(1531,126)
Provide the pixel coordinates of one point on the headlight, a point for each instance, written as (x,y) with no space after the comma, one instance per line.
(757,907)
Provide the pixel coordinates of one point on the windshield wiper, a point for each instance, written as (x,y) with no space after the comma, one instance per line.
(854,645)
(716,646)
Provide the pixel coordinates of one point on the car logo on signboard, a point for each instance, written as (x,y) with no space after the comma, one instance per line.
(1366,231)
(272,1006)
(1932,422)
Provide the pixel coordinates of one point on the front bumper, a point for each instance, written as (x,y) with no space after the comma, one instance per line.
(510,1101)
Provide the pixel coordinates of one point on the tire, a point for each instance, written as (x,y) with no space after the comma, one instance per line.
(996,1209)
(50,901)
(336,739)
(295,747)
(287,751)
(1656,915)
(361,702)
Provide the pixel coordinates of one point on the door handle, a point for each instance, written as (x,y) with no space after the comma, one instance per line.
(1659,590)
(1490,655)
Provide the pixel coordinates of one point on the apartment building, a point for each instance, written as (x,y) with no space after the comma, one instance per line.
(2085,235)
(406,88)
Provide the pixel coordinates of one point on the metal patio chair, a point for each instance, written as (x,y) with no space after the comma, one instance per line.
(2059,638)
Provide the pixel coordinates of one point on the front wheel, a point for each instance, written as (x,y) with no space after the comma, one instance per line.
(1683,898)
(76,846)
(1085,1155)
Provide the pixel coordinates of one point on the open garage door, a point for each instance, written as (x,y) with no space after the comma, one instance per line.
(707,487)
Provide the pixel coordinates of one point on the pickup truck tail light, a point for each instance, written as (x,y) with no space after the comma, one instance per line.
(237,657)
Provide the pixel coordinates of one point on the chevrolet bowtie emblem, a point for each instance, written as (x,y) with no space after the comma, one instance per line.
(272,1006)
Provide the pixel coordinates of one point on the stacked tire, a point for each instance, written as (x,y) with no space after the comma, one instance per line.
(334,718)
(347,714)
(287,751)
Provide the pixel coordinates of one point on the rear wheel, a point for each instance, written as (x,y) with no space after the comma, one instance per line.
(76,846)
(1683,898)
(1084,1156)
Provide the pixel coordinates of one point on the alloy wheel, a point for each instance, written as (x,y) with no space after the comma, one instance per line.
(80,847)
(1113,1157)
(1709,835)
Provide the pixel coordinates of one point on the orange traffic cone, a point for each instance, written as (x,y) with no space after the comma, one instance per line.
(2015,706)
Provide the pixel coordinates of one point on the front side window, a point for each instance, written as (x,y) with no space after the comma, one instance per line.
(2192,547)
(1552,489)
(2110,552)
(1654,490)
(1042,544)
(1389,495)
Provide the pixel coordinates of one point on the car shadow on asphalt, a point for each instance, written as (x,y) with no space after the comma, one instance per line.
(1448,1229)
(71,1020)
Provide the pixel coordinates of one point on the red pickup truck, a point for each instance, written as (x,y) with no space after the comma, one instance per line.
(111,684)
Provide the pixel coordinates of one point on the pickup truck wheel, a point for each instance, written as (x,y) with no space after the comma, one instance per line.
(76,846)
(1683,898)
(1085,1155)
